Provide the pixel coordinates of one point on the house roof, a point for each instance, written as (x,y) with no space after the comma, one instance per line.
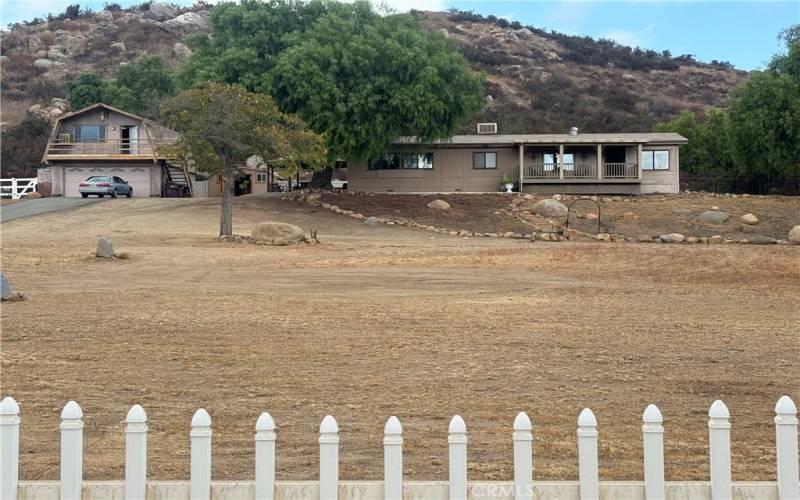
(159,129)
(589,139)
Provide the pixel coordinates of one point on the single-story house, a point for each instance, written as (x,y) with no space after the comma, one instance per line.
(578,163)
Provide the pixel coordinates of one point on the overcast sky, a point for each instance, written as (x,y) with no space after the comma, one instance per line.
(742,32)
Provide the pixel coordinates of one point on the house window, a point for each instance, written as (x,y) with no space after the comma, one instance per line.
(406,161)
(551,160)
(484,160)
(655,160)
(90,133)
(262,177)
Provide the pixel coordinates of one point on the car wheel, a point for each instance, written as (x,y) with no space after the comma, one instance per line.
(85,195)
(114,193)
(100,195)
(130,193)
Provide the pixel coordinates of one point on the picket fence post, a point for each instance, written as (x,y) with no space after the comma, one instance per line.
(653,436)
(9,448)
(587,456)
(523,457)
(71,451)
(265,457)
(457,442)
(328,459)
(136,454)
(719,450)
(200,472)
(393,460)
(786,448)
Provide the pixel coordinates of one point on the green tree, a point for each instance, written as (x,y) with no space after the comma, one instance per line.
(765,116)
(138,87)
(22,147)
(358,77)
(222,125)
(86,90)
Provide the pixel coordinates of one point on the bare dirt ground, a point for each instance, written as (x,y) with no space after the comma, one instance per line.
(388,321)
(638,215)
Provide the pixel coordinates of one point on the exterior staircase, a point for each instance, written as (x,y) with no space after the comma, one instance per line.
(178,184)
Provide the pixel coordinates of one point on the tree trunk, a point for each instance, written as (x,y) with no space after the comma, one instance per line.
(322,178)
(226,207)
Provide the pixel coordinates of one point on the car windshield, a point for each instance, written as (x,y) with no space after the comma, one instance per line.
(97,178)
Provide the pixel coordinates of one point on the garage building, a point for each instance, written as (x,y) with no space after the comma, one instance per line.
(103,140)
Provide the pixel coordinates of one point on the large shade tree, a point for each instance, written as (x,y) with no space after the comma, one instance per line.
(359,77)
(222,125)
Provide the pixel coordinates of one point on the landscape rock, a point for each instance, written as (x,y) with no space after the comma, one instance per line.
(591,216)
(672,238)
(43,63)
(749,219)
(558,197)
(439,205)
(794,235)
(715,240)
(119,46)
(275,233)
(105,248)
(188,21)
(762,240)
(681,210)
(644,238)
(550,208)
(714,217)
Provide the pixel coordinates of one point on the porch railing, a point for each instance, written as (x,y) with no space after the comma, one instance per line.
(580,170)
(541,171)
(627,170)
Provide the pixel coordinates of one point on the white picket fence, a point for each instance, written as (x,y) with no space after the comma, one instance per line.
(16,188)
(329,487)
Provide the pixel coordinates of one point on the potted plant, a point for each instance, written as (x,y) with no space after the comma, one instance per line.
(508,183)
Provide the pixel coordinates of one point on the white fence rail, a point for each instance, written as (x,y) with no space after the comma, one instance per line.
(15,188)
(200,487)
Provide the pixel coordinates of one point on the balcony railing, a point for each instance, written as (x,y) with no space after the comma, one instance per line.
(628,170)
(107,147)
(586,171)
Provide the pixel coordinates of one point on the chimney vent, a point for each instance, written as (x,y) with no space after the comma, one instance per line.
(573,131)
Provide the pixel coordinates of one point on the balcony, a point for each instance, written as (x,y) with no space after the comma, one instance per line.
(107,149)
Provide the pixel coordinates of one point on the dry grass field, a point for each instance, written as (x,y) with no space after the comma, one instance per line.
(388,321)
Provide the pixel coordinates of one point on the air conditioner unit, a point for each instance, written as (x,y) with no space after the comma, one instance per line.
(64,137)
(487,128)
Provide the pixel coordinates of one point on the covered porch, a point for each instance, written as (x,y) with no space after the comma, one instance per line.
(579,163)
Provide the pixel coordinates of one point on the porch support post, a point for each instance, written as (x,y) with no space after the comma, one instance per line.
(639,161)
(560,161)
(599,161)
(521,167)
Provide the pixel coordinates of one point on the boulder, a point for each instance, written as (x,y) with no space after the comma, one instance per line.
(672,238)
(715,240)
(749,219)
(794,235)
(160,11)
(439,205)
(181,51)
(5,286)
(762,240)
(105,16)
(644,238)
(550,208)
(276,233)
(105,248)
(119,47)
(523,33)
(371,222)
(558,197)
(714,217)
(190,21)
(43,63)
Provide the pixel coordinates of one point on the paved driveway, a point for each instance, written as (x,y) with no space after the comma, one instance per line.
(29,208)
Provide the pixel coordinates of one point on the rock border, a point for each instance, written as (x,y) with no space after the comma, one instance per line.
(313,197)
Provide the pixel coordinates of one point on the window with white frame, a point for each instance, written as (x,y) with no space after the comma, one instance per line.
(484,160)
(655,160)
(262,177)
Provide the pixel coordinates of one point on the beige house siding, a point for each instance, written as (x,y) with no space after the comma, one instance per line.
(452,171)
(112,120)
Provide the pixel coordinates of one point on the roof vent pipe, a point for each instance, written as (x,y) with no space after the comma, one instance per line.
(573,131)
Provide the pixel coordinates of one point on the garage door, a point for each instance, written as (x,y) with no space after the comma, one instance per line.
(138,177)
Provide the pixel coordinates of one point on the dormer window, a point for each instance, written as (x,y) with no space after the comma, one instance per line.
(90,133)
